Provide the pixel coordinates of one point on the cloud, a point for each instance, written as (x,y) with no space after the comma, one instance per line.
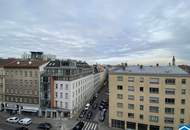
(104,31)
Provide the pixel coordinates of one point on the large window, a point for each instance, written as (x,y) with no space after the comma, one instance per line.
(170,91)
(169,120)
(153,118)
(153,99)
(170,81)
(131,106)
(119,114)
(118,124)
(131,97)
(154,90)
(119,96)
(119,78)
(120,105)
(154,109)
(183,81)
(131,115)
(131,79)
(169,100)
(119,87)
(131,88)
(154,81)
(169,110)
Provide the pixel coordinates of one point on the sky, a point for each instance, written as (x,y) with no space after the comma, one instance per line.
(98,31)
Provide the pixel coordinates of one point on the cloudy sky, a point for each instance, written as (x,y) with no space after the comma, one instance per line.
(103,31)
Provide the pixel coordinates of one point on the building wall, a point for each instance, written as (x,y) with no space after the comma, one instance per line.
(22,86)
(120,112)
(73,94)
(2,84)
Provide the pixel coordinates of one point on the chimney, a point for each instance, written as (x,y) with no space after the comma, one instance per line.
(173,61)
(141,66)
(157,65)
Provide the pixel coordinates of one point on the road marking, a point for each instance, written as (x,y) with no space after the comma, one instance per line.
(89,125)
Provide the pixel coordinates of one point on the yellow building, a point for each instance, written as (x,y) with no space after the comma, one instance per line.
(149,97)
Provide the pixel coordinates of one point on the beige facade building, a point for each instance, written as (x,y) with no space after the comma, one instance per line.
(149,97)
(22,80)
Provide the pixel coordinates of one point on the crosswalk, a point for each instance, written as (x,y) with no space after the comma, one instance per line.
(90,125)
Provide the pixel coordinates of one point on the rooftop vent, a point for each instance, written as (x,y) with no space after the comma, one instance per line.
(30,62)
(157,65)
(18,62)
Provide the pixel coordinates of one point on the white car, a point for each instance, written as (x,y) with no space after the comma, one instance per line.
(12,119)
(87,106)
(25,121)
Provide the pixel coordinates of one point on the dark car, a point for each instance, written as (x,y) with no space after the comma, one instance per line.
(82,114)
(21,128)
(95,106)
(45,126)
(89,115)
(102,115)
(101,107)
(78,126)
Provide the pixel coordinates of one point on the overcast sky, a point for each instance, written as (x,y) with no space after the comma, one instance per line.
(103,31)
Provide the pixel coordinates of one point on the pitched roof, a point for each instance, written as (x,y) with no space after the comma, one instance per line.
(4,62)
(25,64)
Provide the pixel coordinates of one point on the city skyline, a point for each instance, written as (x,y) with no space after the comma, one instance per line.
(102,31)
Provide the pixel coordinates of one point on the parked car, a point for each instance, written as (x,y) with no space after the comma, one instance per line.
(101,107)
(25,121)
(45,126)
(95,106)
(82,114)
(21,128)
(79,126)
(12,119)
(89,115)
(102,115)
(87,106)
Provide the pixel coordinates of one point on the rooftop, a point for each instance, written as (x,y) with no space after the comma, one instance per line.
(150,70)
(25,64)
(4,62)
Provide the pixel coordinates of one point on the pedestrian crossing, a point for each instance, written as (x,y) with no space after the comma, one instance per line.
(90,125)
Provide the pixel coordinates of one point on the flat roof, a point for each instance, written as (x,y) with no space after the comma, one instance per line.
(150,70)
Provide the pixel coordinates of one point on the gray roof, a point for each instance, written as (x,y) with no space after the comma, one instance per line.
(150,70)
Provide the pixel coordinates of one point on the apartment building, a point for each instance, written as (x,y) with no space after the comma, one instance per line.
(66,86)
(149,97)
(3,62)
(22,85)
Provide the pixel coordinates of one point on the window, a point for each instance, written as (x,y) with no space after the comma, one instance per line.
(25,73)
(168,128)
(141,79)
(141,107)
(170,91)
(66,105)
(182,101)
(120,105)
(30,73)
(56,86)
(141,89)
(153,118)
(61,104)
(119,78)
(183,91)
(61,86)
(119,87)
(119,114)
(131,88)
(154,81)
(169,120)
(66,95)
(169,110)
(153,99)
(118,124)
(154,109)
(154,90)
(169,100)
(182,111)
(141,116)
(181,121)
(56,95)
(170,81)
(66,87)
(61,95)
(183,81)
(131,79)
(130,115)
(119,96)
(141,98)
(131,106)
(131,97)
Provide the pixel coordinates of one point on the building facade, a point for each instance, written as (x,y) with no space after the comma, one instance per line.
(66,86)
(149,97)
(22,86)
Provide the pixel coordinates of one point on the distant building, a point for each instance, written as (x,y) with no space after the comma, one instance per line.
(3,62)
(148,97)
(22,85)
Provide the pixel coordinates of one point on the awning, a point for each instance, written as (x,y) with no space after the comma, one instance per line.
(30,109)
